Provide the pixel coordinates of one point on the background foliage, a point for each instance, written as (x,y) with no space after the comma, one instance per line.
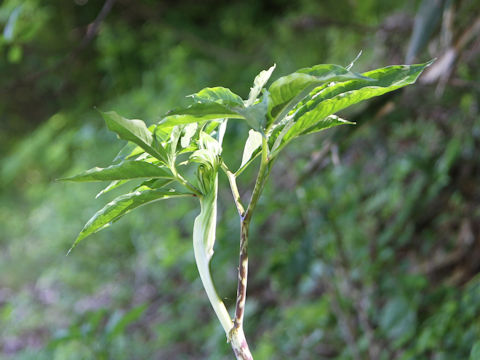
(366,244)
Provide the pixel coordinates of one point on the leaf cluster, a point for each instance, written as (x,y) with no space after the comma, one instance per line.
(181,155)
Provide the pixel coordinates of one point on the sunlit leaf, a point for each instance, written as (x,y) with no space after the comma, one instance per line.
(288,91)
(188,133)
(218,95)
(198,113)
(258,84)
(338,96)
(133,130)
(123,171)
(253,142)
(120,206)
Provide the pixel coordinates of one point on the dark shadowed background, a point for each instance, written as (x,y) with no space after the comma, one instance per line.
(365,245)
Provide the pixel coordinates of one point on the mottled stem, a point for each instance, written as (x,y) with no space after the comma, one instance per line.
(242,276)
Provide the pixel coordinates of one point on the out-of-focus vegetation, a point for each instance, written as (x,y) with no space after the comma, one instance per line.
(369,245)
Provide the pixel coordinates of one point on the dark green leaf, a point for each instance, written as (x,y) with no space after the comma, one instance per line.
(120,206)
(123,171)
(133,130)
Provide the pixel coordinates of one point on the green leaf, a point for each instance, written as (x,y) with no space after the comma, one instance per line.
(128,151)
(123,171)
(198,113)
(122,205)
(330,99)
(288,91)
(327,123)
(254,141)
(258,84)
(134,131)
(218,95)
(256,115)
(113,185)
(188,133)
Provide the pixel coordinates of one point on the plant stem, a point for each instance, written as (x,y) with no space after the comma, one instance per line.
(236,334)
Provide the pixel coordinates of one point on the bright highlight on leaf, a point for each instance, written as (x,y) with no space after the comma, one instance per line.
(123,171)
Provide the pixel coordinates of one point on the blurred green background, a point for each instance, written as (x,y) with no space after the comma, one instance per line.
(365,245)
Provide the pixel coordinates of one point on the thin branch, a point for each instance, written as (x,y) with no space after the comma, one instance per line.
(233,186)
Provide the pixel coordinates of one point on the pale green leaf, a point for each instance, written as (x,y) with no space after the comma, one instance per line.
(288,91)
(123,171)
(258,84)
(188,132)
(254,141)
(198,113)
(134,131)
(120,206)
(330,99)
(218,95)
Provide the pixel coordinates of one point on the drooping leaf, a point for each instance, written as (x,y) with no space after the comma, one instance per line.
(198,113)
(123,171)
(288,91)
(218,95)
(254,141)
(120,206)
(331,99)
(133,130)
(258,84)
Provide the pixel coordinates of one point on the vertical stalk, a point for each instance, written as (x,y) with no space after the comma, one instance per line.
(203,239)
(236,334)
